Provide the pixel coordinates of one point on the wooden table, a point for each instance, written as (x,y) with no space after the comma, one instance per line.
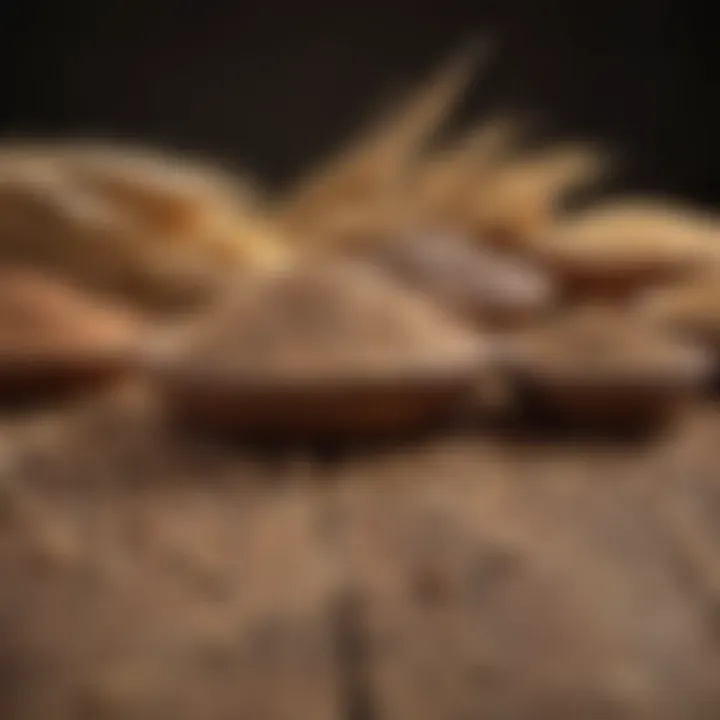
(149,574)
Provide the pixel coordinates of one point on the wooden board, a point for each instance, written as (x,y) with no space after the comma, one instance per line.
(144,577)
(145,574)
(499,581)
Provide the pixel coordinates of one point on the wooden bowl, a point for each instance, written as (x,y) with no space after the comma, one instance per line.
(616,381)
(325,350)
(320,407)
(56,340)
(617,251)
(691,310)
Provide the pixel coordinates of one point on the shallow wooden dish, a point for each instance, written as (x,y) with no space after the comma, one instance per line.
(329,349)
(557,379)
(28,377)
(398,401)
(691,310)
(602,406)
(618,250)
(56,339)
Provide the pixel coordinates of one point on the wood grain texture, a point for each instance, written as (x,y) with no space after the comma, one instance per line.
(146,574)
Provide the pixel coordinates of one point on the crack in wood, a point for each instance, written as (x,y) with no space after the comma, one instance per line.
(353,656)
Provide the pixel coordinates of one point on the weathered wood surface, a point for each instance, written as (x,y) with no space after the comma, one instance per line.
(550,585)
(145,574)
(142,579)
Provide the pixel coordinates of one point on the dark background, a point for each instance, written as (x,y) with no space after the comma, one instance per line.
(273,86)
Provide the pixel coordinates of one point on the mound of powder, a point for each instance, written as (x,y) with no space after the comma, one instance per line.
(330,321)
